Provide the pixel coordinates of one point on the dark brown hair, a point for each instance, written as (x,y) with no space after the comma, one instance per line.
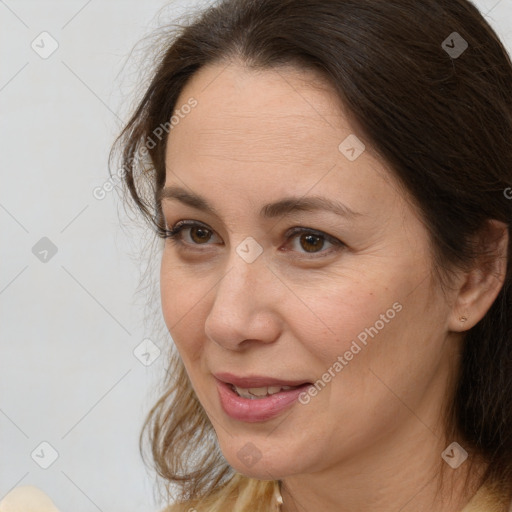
(441,122)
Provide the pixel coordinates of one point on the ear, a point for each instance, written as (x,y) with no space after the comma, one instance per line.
(478,288)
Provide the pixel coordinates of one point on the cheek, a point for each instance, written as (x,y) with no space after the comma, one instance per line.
(342,311)
(182,297)
(351,327)
(382,342)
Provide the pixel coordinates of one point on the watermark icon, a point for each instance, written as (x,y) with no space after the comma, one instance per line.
(146,352)
(249,249)
(508,193)
(142,153)
(454,455)
(454,45)
(44,455)
(352,147)
(44,45)
(249,454)
(44,250)
(355,348)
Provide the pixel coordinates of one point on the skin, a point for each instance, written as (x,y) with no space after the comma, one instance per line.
(372,439)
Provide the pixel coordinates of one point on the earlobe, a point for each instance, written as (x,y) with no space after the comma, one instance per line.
(481,285)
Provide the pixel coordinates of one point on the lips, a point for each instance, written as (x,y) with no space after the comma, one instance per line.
(261,407)
(256,381)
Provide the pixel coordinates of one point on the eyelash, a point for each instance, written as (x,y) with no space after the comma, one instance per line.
(175,236)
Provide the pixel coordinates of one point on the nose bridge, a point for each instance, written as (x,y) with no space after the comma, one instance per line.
(242,306)
(246,269)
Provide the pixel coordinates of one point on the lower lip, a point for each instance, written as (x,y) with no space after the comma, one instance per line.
(259,409)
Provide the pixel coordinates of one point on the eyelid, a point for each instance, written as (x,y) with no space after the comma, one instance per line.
(303,230)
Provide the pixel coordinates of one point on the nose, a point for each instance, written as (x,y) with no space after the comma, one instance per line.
(245,308)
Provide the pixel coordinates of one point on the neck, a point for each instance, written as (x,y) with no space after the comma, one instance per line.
(404,474)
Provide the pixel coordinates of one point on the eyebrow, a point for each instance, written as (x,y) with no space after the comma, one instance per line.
(284,206)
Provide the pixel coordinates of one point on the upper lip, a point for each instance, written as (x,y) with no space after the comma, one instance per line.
(256,381)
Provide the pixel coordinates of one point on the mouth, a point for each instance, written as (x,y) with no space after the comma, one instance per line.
(257,398)
(257,393)
(257,381)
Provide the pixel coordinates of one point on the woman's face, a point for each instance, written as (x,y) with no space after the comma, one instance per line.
(309,266)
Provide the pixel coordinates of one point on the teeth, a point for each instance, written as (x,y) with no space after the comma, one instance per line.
(254,393)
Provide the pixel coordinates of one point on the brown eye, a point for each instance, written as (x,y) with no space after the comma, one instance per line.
(315,243)
(304,241)
(189,233)
(311,243)
(199,235)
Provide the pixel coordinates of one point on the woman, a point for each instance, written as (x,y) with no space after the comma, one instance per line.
(331,180)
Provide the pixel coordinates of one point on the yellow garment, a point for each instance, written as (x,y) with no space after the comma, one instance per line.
(28,498)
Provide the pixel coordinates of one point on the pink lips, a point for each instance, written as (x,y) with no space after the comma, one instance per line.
(259,409)
(255,381)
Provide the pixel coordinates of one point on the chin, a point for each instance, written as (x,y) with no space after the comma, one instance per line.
(261,471)
(246,458)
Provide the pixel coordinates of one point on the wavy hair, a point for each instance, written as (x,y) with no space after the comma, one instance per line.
(443,124)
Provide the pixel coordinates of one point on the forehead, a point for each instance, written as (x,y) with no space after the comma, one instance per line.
(250,115)
(268,133)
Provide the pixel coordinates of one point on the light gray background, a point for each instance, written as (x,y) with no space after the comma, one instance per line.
(70,325)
